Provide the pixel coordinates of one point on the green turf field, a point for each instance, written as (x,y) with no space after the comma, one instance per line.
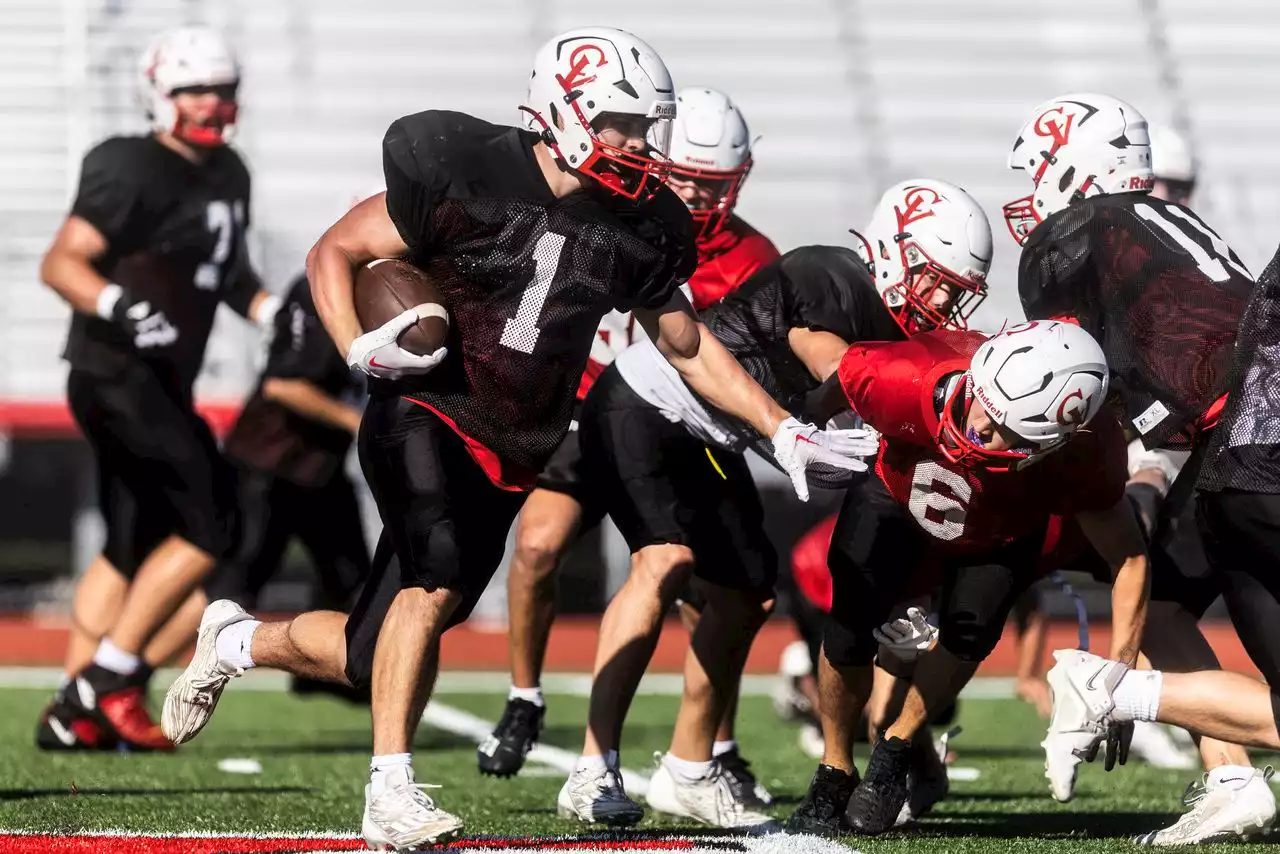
(314,755)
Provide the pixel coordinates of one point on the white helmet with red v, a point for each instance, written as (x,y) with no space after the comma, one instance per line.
(710,144)
(928,237)
(1073,147)
(1043,380)
(583,74)
(196,59)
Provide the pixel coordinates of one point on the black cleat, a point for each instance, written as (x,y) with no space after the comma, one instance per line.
(63,726)
(878,800)
(746,789)
(927,782)
(502,753)
(821,813)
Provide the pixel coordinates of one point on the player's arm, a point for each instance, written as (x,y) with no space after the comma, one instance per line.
(310,401)
(364,233)
(1114,533)
(67,266)
(821,351)
(247,297)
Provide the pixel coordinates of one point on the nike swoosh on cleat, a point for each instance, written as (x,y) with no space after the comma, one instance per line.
(63,734)
(1089,684)
(88,697)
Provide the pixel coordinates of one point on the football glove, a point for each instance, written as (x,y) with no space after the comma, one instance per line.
(907,637)
(797,445)
(378,354)
(145,326)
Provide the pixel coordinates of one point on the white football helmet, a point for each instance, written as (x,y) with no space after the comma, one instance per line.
(1173,163)
(928,239)
(1044,380)
(196,59)
(1073,147)
(711,145)
(582,74)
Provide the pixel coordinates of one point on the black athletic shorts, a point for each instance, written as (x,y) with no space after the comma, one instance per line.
(159,469)
(1242,539)
(878,558)
(1180,570)
(567,474)
(444,522)
(660,484)
(325,518)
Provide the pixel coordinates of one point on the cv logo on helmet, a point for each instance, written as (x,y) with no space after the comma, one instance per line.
(1078,412)
(918,205)
(584,57)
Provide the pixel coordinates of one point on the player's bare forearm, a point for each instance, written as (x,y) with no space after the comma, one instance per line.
(365,232)
(67,266)
(308,400)
(708,368)
(1115,535)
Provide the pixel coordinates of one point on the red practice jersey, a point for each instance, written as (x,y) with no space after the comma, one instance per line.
(727,259)
(809,564)
(965,508)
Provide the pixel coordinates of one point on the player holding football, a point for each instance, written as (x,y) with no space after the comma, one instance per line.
(153,243)
(532,236)
(1164,295)
(711,157)
(674,481)
(983,440)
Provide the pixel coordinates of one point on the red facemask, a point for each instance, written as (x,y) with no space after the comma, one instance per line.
(725,185)
(958,447)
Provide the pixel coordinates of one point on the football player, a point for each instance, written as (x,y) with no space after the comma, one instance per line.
(982,441)
(674,482)
(710,158)
(1164,295)
(532,236)
(1238,511)
(153,243)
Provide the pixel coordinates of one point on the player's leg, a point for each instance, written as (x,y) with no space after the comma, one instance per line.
(546,528)
(874,550)
(177,634)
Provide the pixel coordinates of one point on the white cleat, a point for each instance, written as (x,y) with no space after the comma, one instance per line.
(1240,806)
(1081,684)
(194,694)
(709,800)
(403,817)
(1153,745)
(597,797)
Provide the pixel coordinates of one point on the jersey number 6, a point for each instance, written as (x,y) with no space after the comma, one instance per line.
(946,522)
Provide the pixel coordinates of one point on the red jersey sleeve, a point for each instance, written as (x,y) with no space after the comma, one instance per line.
(728,259)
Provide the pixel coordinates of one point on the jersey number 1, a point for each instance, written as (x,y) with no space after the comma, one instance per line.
(521,331)
(1209,265)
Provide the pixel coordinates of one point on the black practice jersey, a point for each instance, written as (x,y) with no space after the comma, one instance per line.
(175,237)
(823,288)
(1161,292)
(525,276)
(1244,452)
(274,438)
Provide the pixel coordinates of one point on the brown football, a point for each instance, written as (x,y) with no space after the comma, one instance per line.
(387,287)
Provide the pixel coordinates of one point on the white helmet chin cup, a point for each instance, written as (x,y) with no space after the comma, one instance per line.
(927,226)
(183,58)
(1073,147)
(583,73)
(1043,380)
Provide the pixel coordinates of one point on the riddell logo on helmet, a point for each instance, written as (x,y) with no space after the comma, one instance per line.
(988,404)
(917,205)
(701,161)
(579,61)
(1137,183)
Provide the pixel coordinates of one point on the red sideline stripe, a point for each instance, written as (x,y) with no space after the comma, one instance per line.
(52,418)
(42,843)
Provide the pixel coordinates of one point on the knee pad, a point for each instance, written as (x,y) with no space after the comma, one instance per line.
(846,647)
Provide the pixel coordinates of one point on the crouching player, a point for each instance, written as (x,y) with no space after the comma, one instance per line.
(982,442)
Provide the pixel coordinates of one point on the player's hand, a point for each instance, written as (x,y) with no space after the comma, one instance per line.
(142,323)
(907,637)
(378,354)
(1117,745)
(797,445)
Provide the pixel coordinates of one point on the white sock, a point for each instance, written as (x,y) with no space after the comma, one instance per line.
(596,764)
(684,771)
(722,747)
(234,643)
(1233,775)
(1137,696)
(115,659)
(380,766)
(529,695)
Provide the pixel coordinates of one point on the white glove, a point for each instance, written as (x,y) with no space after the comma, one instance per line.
(907,637)
(377,354)
(797,445)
